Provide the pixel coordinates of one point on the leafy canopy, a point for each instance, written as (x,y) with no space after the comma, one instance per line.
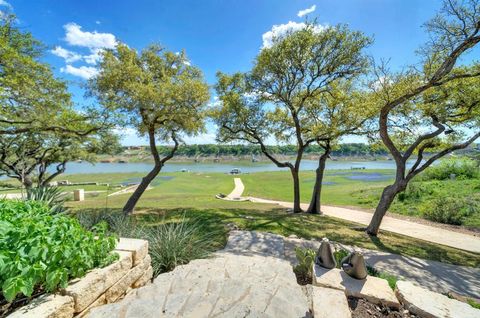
(152,91)
(31,98)
(42,250)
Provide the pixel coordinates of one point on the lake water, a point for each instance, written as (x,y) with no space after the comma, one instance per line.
(84,167)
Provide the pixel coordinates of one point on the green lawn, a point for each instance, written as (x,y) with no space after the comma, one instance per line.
(341,190)
(193,193)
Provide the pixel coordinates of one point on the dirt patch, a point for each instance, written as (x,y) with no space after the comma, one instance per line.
(303,280)
(361,308)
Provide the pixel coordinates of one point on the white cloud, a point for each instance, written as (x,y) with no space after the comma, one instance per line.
(93,58)
(95,42)
(84,72)
(98,22)
(67,55)
(301,13)
(4,3)
(92,40)
(281,29)
(215,103)
(205,138)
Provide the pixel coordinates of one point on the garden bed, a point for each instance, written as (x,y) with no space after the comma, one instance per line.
(97,287)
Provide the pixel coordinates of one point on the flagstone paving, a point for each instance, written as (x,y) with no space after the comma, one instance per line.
(251,277)
(237,282)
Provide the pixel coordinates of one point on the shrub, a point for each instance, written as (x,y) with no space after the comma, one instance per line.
(177,243)
(303,269)
(450,210)
(170,244)
(50,196)
(415,191)
(118,223)
(42,251)
(462,169)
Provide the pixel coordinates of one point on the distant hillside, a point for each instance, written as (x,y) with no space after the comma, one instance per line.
(343,150)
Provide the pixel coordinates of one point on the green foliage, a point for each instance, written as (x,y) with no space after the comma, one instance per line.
(50,196)
(171,243)
(170,95)
(473,303)
(450,210)
(342,150)
(177,243)
(42,250)
(31,98)
(462,169)
(304,268)
(391,279)
(340,254)
(415,191)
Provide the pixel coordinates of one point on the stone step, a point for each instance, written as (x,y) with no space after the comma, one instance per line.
(427,304)
(373,289)
(228,285)
(244,242)
(328,303)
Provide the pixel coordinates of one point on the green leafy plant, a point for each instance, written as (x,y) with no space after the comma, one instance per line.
(464,168)
(450,210)
(118,223)
(391,279)
(473,303)
(304,268)
(50,196)
(340,254)
(42,251)
(170,243)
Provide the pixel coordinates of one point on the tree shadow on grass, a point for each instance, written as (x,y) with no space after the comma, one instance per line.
(302,225)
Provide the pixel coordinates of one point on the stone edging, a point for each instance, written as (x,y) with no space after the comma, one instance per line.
(331,284)
(98,287)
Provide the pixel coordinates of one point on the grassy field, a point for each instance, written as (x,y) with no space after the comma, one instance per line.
(192,194)
(341,187)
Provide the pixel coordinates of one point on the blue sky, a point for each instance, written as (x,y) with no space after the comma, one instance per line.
(216,34)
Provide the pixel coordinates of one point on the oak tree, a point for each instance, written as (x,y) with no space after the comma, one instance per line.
(270,101)
(157,93)
(434,109)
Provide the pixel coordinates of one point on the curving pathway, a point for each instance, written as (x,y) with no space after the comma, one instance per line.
(420,231)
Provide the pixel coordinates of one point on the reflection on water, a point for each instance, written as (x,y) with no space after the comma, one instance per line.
(84,167)
(365,176)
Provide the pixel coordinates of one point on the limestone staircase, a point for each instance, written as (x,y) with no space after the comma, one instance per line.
(252,277)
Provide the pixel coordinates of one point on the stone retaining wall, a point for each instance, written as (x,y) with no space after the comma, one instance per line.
(98,287)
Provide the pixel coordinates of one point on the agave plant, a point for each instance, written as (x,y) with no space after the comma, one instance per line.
(51,196)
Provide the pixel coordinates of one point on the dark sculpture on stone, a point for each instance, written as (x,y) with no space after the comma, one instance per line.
(354,265)
(325,256)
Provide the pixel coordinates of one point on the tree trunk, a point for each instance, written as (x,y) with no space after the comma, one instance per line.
(315,206)
(388,195)
(27,182)
(132,201)
(43,182)
(296,191)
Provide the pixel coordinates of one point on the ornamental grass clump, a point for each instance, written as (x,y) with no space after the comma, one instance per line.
(177,243)
(42,251)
